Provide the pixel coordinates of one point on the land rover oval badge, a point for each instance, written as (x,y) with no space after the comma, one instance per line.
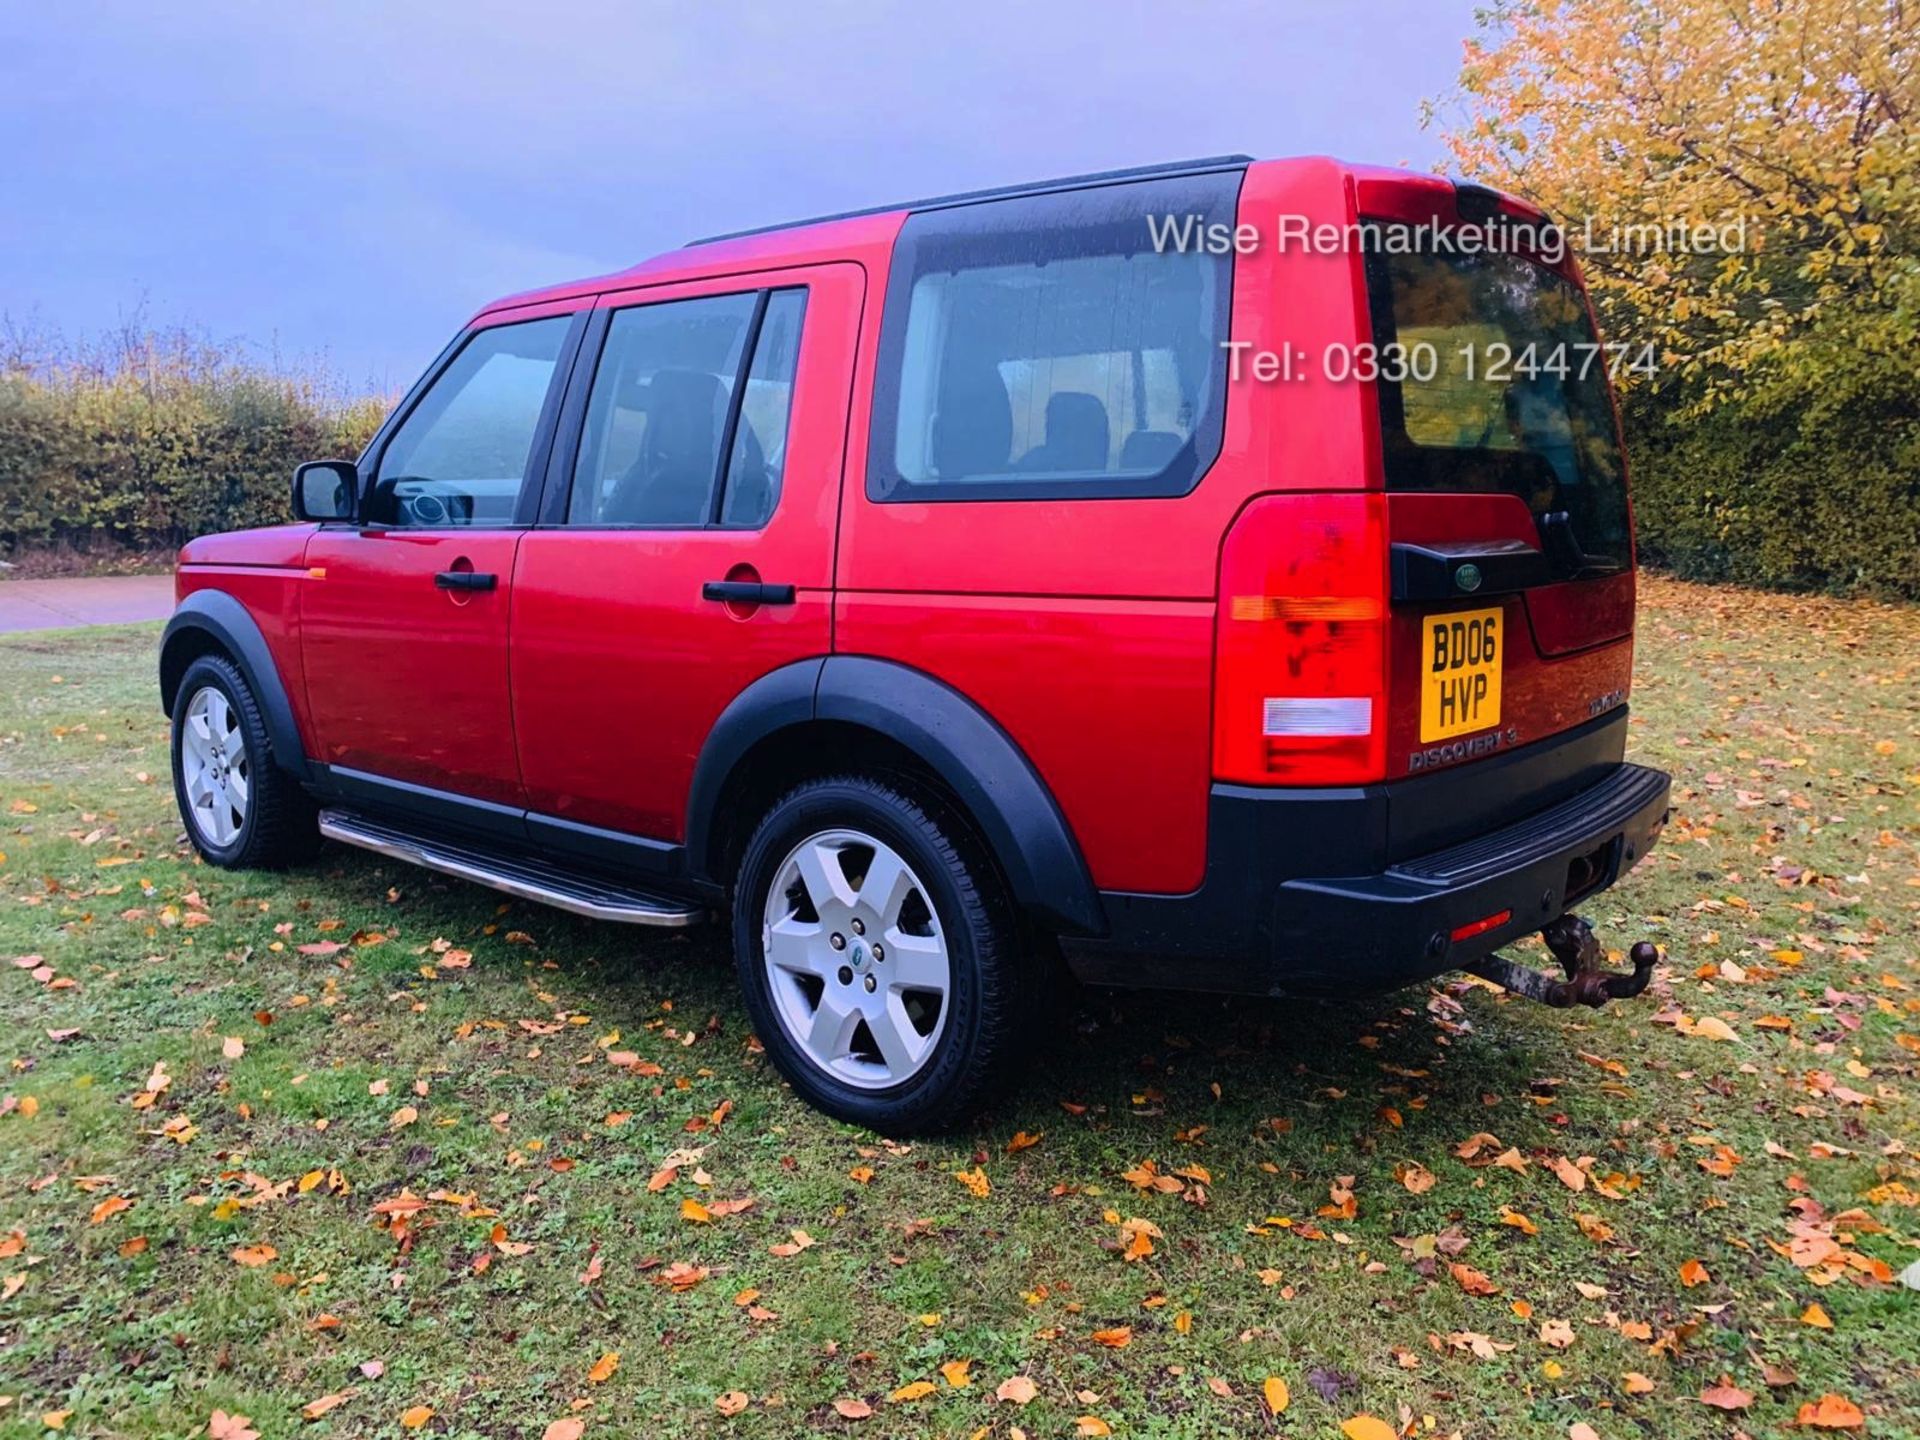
(1467,577)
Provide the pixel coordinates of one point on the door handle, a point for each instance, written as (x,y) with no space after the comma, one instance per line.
(466,580)
(746,592)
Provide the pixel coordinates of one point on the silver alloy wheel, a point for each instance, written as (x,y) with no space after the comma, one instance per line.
(856,964)
(215,769)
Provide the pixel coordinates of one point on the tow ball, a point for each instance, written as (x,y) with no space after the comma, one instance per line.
(1572,942)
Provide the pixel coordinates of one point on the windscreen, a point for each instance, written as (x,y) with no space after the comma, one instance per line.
(1494,381)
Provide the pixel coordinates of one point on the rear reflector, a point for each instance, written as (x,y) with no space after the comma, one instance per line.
(1480,927)
(1303,716)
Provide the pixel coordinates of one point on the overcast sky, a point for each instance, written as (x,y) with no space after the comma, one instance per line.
(348,181)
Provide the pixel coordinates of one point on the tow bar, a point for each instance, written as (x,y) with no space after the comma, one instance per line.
(1572,942)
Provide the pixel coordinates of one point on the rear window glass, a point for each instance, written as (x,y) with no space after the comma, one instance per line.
(1501,387)
(1043,347)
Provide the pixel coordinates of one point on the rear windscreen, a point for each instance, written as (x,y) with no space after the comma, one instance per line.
(1493,381)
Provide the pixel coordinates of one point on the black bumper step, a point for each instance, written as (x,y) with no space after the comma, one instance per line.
(1605,807)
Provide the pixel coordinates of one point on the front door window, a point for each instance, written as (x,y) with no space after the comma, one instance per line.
(460,457)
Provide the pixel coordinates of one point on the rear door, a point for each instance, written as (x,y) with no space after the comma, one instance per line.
(685,546)
(404,618)
(1507,506)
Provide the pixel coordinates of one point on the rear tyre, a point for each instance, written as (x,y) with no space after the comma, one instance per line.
(880,957)
(242,811)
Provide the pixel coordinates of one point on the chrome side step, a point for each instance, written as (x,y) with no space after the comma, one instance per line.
(528,879)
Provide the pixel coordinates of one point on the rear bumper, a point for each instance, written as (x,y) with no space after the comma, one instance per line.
(1315,891)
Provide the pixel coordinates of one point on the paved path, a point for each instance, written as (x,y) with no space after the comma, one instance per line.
(101,600)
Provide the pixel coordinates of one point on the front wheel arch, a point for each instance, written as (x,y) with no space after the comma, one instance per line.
(212,622)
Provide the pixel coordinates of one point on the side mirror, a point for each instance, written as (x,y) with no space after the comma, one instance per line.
(326,490)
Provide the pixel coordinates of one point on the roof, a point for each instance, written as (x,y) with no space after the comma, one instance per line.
(1202,166)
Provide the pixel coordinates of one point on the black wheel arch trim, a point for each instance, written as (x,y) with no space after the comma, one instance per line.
(218,615)
(960,742)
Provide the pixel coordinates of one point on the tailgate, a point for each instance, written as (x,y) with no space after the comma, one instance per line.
(1511,539)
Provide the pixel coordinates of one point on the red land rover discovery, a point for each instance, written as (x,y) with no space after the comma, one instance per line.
(1102,567)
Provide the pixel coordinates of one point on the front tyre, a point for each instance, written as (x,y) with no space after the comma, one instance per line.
(880,957)
(241,810)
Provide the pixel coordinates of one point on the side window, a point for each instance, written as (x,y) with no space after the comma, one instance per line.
(760,440)
(1047,347)
(460,457)
(657,414)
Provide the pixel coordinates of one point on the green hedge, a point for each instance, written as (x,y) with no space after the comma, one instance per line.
(1811,484)
(147,455)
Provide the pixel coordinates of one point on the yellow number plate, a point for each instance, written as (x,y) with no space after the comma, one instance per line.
(1460,657)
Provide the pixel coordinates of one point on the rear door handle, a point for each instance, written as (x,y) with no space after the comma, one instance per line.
(747,592)
(466,580)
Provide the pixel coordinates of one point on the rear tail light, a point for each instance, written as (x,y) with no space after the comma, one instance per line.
(1300,693)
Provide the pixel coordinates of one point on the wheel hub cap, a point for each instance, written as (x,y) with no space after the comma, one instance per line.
(857,965)
(214,767)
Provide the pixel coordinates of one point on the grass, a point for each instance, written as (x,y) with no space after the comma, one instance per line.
(356,1032)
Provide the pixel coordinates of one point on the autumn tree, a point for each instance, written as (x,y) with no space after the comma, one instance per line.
(1793,121)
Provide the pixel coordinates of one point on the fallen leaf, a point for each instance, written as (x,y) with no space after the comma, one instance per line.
(1415,1176)
(254,1255)
(1118,1338)
(1725,1396)
(1637,1384)
(1274,1391)
(1017,1391)
(416,1416)
(958,1373)
(233,1047)
(913,1390)
(853,1409)
(570,1428)
(696,1212)
(731,1403)
(314,1409)
(1367,1427)
(1815,1316)
(223,1426)
(1693,1273)
(604,1367)
(1569,1174)
(1518,1221)
(1830,1412)
(1091,1425)
(1471,1280)
(1556,1333)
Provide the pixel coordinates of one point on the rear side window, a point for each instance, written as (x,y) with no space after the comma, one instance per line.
(680,385)
(1044,348)
(650,447)
(1503,389)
